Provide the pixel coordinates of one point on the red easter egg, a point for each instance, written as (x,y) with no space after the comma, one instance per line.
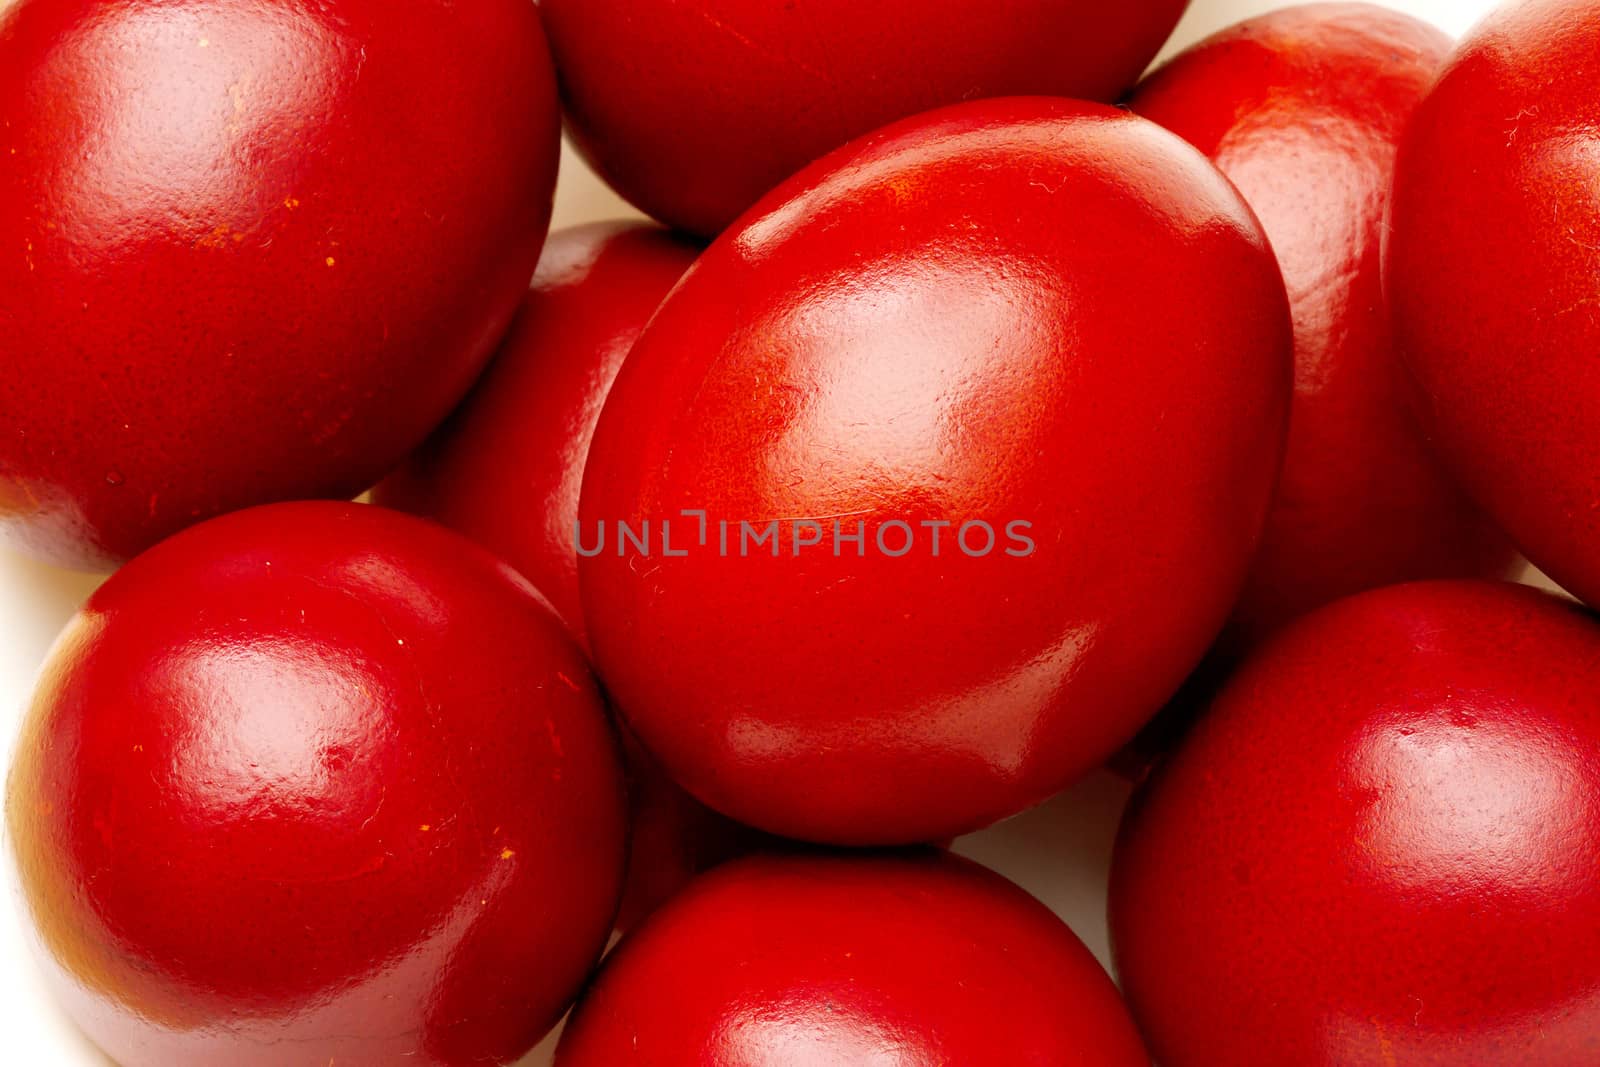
(506,469)
(317,783)
(251,250)
(692,109)
(1381,846)
(948,462)
(784,961)
(1493,273)
(1302,108)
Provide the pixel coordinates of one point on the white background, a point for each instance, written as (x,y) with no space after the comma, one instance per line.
(1059,852)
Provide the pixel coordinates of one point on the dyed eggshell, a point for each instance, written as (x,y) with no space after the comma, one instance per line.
(251,250)
(506,468)
(1382,845)
(692,109)
(317,783)
(949,322)
(1302,108)
(1493,273)
(784,961)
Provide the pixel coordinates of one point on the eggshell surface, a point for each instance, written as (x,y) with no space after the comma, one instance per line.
(317,783)
(950,460)
(250,250)
(1380,846)
(1493,271)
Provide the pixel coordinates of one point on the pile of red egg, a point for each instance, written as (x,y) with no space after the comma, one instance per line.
(967,428)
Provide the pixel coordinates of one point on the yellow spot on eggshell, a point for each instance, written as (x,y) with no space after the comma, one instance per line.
(425,827)
(329,261)
(205,42)
(507,853)
(217,238)
(291,202)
